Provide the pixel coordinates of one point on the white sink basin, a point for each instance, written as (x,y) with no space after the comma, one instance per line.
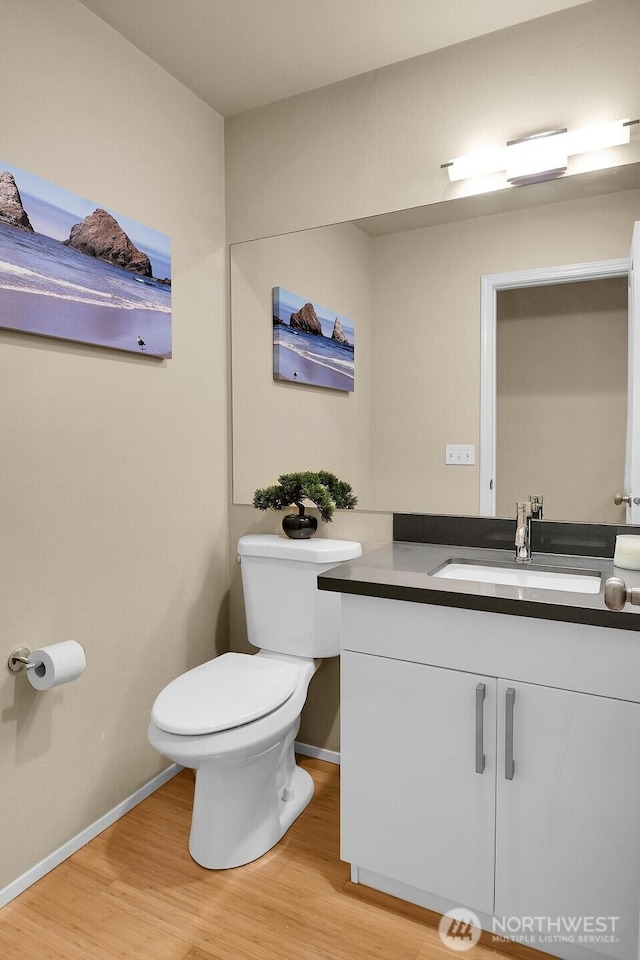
(541,578)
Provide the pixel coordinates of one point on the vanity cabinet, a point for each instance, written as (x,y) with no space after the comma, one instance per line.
(413,807)
(516,799)
(567,824)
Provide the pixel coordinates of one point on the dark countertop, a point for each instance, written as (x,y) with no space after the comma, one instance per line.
(401,571)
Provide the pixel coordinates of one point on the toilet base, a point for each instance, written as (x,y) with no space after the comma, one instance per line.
(243,808)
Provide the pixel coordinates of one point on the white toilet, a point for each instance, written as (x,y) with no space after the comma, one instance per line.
(235,719)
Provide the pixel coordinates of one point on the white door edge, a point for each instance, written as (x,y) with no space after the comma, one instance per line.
(632,452)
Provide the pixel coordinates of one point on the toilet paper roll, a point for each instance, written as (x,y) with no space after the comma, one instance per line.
(59,663)
(627,552)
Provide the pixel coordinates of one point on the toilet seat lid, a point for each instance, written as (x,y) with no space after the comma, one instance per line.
(233,689)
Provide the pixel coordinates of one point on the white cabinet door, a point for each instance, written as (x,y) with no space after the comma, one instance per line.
(413,806)
(567,836)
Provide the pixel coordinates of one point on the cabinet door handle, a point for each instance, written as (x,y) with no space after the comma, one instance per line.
(481,692)
(509,764)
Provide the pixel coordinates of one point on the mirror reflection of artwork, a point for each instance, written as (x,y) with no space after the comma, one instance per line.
(74,271)
(311,344)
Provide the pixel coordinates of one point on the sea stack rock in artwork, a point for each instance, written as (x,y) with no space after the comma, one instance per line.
(306,319)
(11,209)
(338,333)
(99,235)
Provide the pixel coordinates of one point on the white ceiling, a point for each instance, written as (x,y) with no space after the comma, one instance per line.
(240,54)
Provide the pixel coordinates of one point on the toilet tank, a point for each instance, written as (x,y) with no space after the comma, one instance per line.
(286,613)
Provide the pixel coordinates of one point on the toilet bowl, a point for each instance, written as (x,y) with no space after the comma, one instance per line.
(234,719)
(249,789)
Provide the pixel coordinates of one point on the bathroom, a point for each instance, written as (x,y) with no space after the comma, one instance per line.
(120,520)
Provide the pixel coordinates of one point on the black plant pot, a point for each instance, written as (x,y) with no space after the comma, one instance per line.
(299,527)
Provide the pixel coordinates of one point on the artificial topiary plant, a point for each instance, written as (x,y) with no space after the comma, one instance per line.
(322,488)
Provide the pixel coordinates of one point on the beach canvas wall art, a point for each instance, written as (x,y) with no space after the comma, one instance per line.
(311,344)
(72,270)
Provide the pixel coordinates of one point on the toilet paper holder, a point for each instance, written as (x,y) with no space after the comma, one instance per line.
(19,660)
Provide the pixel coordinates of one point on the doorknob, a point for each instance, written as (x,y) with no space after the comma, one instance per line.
(616,594)
(620,498)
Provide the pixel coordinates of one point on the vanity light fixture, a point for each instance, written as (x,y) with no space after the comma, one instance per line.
(542,156)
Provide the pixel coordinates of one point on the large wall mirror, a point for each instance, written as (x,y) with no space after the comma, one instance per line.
(411,283)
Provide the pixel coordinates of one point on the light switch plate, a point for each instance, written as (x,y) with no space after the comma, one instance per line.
(460,454)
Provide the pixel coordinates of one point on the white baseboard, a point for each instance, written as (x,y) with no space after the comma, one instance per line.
(35,873)
(318,753)
(71,846)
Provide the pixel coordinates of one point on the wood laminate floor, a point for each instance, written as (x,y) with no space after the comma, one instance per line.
(135,893)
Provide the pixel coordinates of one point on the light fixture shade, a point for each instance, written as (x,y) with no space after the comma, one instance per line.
(599,137)
(542,156)
(477,164)
(537,158)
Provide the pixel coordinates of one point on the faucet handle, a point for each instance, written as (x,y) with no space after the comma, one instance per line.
(536,506)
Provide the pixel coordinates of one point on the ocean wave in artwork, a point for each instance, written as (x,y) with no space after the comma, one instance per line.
(308,358)
(54,290)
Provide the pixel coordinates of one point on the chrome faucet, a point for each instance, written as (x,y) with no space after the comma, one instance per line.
(527,510)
